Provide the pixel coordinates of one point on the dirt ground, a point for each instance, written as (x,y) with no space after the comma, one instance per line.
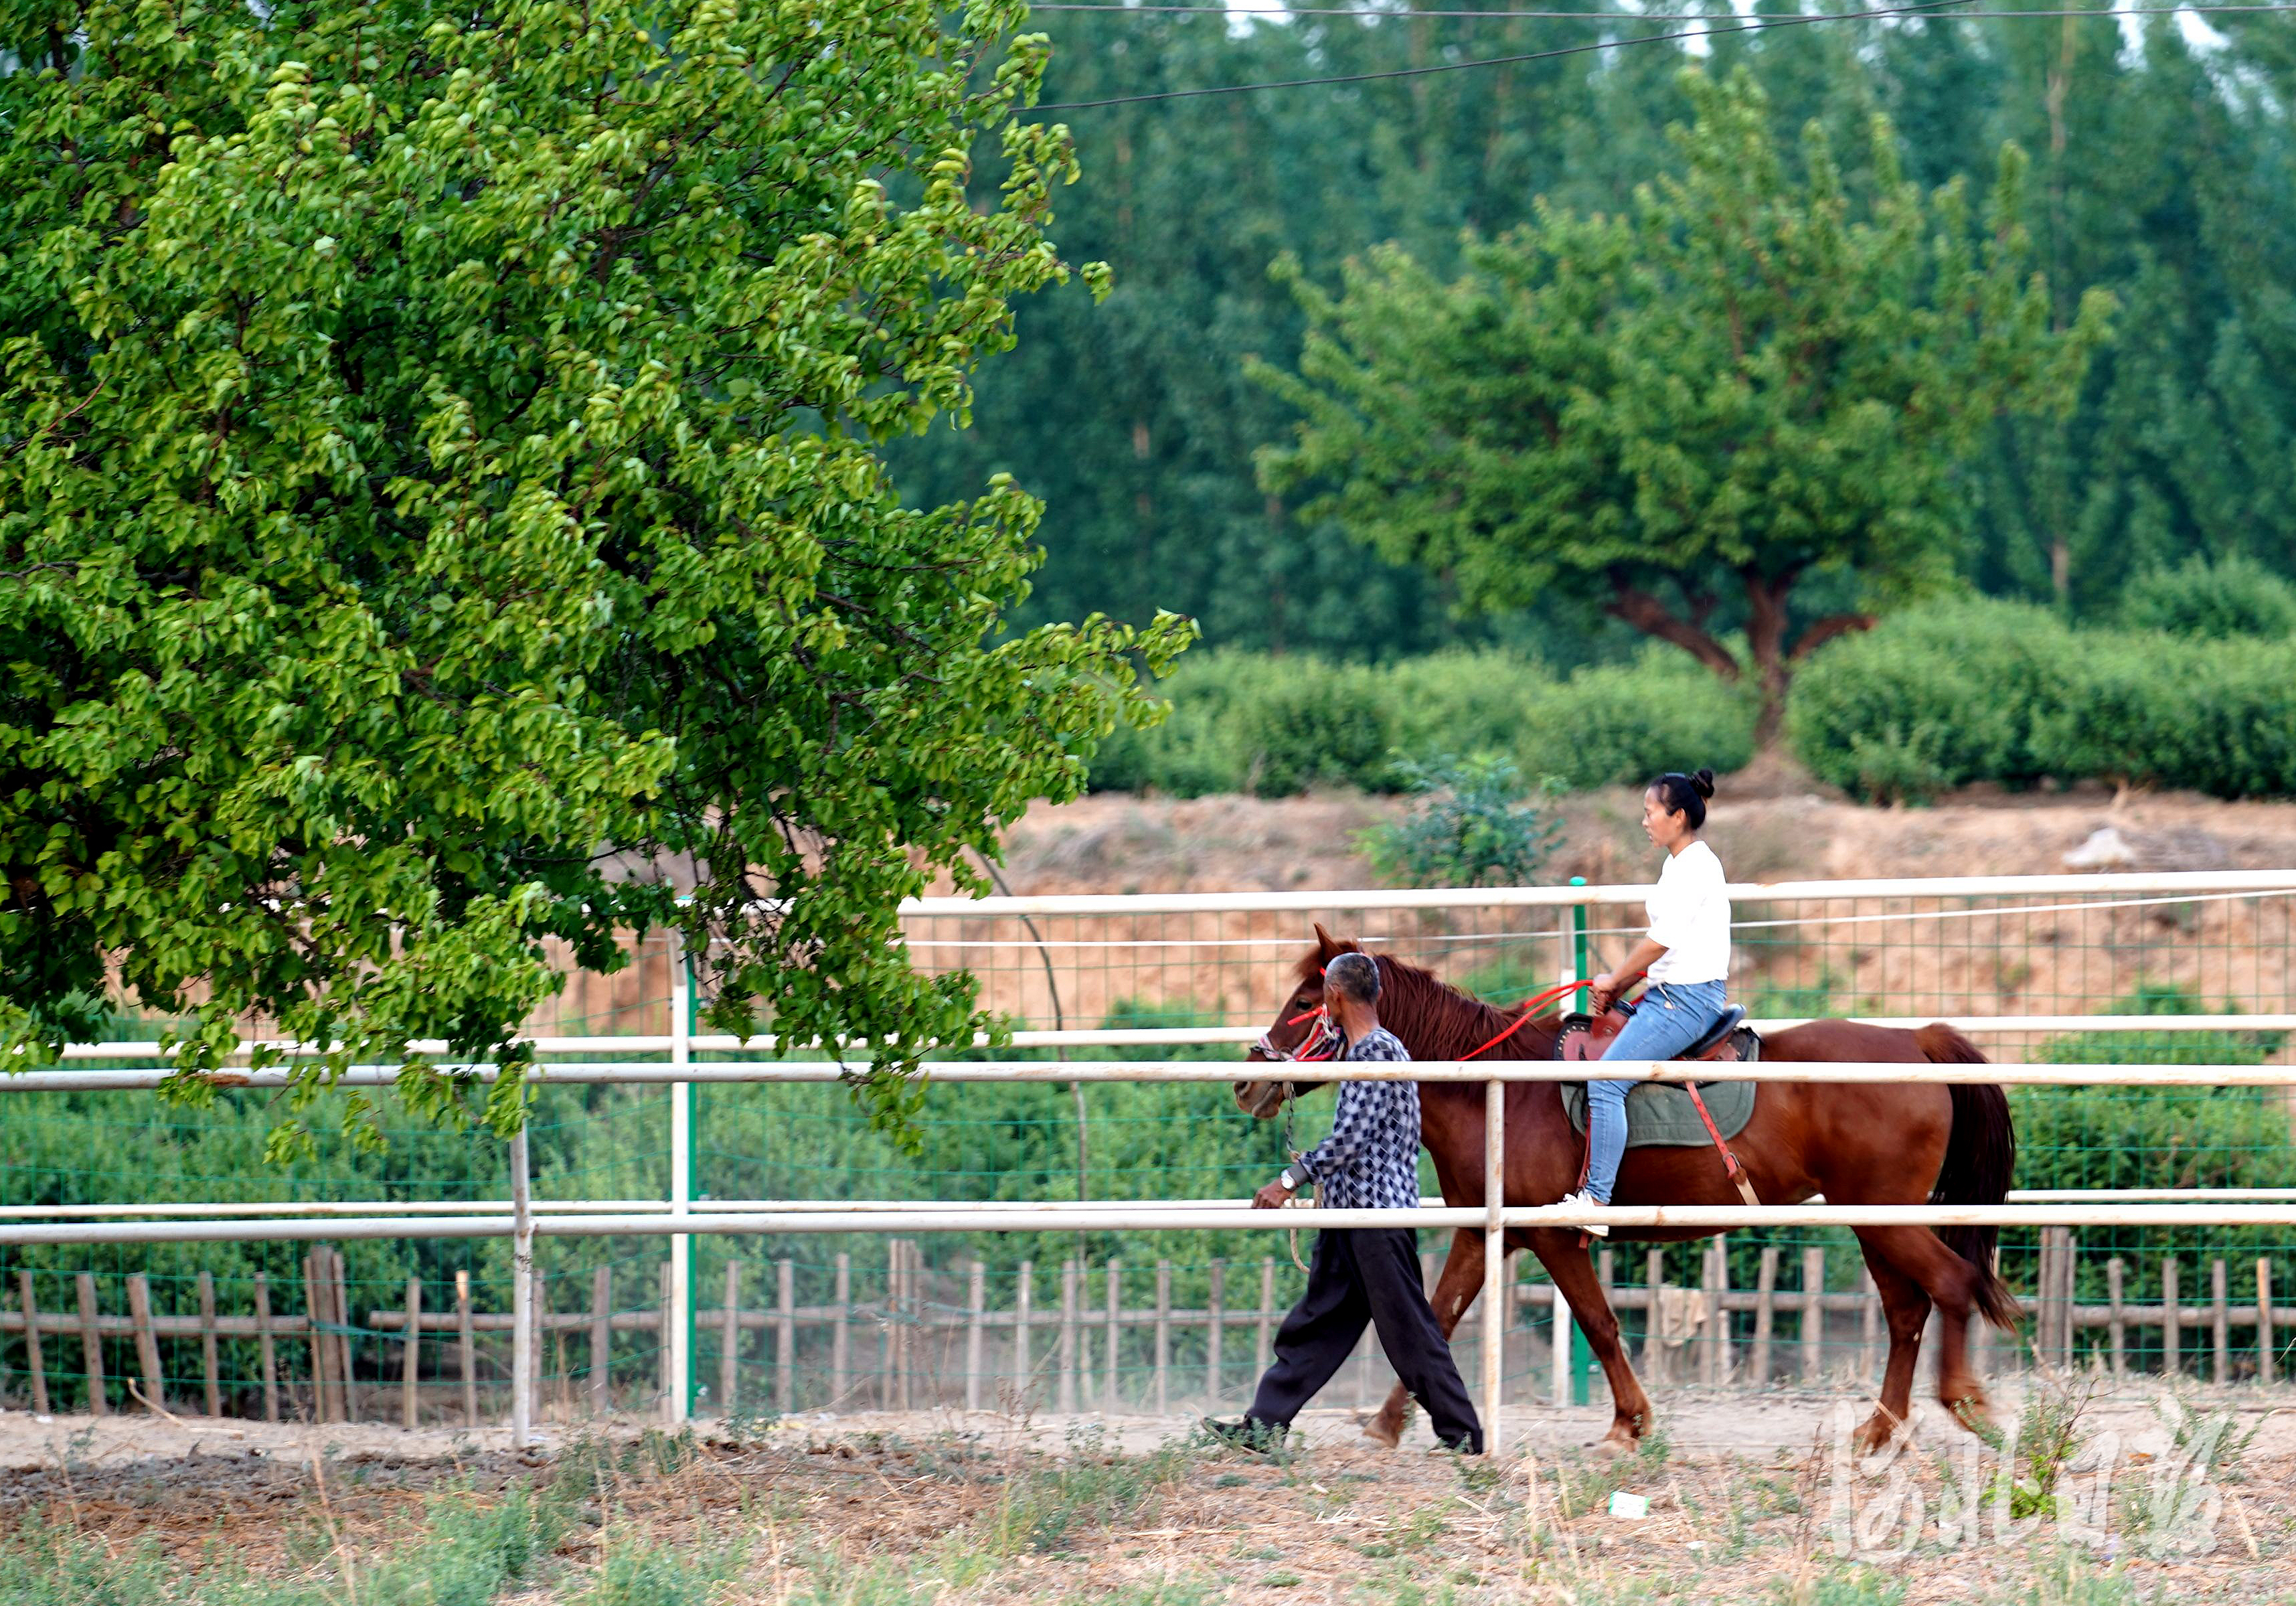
(1749,1498)
(1768,824)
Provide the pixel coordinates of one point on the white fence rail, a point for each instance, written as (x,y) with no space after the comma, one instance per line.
(944,931)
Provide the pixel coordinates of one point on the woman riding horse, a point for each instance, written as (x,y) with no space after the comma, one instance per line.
(1686,957)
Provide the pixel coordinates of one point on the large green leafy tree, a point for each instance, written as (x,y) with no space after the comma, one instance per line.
(441,512)
(1748,379)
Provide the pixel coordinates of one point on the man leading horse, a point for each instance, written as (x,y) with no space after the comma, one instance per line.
(1360,1274)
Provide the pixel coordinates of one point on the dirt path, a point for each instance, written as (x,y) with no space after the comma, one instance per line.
(1747,1502)
(1698,1423)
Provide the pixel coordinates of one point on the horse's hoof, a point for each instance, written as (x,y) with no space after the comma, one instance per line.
(1874,1436)
(1971,1411)
(1382,1432)
(1620,1440)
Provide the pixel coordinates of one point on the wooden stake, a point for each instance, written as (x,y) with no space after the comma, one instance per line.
(602,1340)
(2117,1322)
(894,1386)
(1766,1288)
(2220,1297)
(409,1412)
(147,1342)
(784,1336)
(1714,1361)
(32,1343)
(314,1307)
(1654,1364)
(1112,1399)
(1215,1320)
(1065,1357)
(1813,1316)
(1023,1368)
(2171,1319)
(729,1346)
(975,1329)
(345,1379)
(1163,1332)
(2264,1352)
(263,1342)
(91,1344)
(209,1368)
(840,1339)
(467,1342)
(1267,1311)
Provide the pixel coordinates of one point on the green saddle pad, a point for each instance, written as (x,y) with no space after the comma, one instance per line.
(1660,1114)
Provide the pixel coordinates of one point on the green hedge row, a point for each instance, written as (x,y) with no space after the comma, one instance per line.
(1969,691)
(1935,697)
(1246,721)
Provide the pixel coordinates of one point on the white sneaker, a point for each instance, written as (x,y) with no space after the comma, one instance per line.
(1580,1200)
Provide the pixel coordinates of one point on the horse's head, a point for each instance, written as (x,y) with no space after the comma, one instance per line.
(1302,1034)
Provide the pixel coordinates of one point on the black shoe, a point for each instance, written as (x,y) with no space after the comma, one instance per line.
(1243,1433)
(1466,1444)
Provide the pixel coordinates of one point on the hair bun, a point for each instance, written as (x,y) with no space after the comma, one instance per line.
(1704,781)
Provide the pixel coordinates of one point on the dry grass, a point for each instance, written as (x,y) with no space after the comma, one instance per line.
(803,1514)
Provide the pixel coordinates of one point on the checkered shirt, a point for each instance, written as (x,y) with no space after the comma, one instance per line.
(1370,1160)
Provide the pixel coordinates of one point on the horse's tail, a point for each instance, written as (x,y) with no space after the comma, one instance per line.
(1981,1151)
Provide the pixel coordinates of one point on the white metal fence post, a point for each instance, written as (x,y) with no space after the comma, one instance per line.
(522,1348)
(678,1375)
(1495,1313)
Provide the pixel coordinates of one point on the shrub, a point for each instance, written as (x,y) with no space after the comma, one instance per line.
(1318,724)
(1624,724)
(2232,598)
(1935,697)
(1472,827)
(1274,725)
(2214,716)
(1963,691)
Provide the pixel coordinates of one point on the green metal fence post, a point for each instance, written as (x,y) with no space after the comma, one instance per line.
(1582,1356)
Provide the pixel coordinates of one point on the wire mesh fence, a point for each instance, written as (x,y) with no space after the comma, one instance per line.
(1021,1320)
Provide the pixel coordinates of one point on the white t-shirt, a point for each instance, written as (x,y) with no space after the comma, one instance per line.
(1690,914)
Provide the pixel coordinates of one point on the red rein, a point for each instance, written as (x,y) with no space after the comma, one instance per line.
(1530,1006)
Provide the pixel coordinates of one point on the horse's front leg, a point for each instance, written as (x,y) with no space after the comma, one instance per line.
(1567,1263)
(1455,1290)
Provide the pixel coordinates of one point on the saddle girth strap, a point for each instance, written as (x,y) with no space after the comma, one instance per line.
(1737,1172)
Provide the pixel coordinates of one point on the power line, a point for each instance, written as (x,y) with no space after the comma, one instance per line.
(1758,26)
(1366,15)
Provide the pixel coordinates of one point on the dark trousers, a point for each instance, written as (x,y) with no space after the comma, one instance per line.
(1358,1276)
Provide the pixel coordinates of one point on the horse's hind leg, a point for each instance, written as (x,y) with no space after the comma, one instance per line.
(1456,1288)
(1566,1261)
(1905,1307)
(1952,1282)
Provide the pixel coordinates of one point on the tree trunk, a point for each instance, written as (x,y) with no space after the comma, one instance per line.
(1765,639)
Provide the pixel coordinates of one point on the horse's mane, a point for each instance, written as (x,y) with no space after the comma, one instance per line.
(1442,1022)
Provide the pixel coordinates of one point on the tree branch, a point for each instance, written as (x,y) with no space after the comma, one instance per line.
(1651,616)
(1825,629)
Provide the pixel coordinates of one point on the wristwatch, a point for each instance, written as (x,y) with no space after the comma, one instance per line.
(1291,1182)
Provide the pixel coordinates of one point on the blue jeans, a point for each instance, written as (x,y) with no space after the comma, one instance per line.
(1670,1018)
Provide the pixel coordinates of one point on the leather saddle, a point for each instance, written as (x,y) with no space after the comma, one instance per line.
(1584,1036)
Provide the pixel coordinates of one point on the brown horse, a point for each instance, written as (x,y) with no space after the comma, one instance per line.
(1856,1142)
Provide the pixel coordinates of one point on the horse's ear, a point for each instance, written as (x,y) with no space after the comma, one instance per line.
(1326,944)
